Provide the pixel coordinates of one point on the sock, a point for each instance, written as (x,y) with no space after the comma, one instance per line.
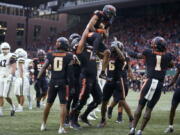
(170,126)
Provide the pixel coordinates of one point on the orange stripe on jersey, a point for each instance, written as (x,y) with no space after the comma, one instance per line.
(159,53)
(59,54)
(101,30)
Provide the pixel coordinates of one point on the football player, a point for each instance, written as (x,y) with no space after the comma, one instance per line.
(157,61)
(126,72)
(41,85)
(115,85)
(98,27)
(74,78)
(22,85)
(60,60)
(89,82)
(7,71)
(175,100)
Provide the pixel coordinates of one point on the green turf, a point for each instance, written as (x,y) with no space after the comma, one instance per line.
(28,122)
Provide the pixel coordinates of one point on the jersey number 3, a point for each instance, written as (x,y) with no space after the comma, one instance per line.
(58,64)
(158,63)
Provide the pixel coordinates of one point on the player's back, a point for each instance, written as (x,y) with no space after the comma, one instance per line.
(59,61)
(88,67)
(157,64)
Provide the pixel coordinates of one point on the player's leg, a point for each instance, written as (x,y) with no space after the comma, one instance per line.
(52,93)
(1,95)
(83,96)
(149,108)
(120,113)
(38,93)
(174,105)
(140,107)
(7,93)
(63,97)
(97,98)
(107,93)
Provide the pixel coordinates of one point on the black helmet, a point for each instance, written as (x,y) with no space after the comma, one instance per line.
(109,11)
(159,43)
(74,43)
(117,44)
(63,43)
(73,36)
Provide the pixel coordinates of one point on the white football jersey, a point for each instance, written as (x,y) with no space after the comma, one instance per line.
(18,62)
(5,63)
(28,63)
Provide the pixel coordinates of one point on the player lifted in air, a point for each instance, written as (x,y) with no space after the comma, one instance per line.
(115,85)
(7,71)
(157,61)
(175,100)
(41,85)
(60,60)
(98,27)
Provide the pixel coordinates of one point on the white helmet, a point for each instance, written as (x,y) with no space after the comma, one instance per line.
(5,48)
(21,53)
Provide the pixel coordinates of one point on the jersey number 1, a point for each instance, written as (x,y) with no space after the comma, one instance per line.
(58,64)
(158,63)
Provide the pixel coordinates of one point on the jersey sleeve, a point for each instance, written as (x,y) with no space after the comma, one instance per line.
(13,59)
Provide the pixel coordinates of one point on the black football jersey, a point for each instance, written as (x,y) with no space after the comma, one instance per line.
(38,64)
(116,68)
(102,22)
(88,67)
(59,62)
(156,64)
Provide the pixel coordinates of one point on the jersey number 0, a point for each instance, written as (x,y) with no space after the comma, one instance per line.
(58,64)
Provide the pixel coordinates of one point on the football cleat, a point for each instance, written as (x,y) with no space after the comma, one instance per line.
(75,126)
(102,124)
(169,130)
(62,131)
(132,131)
(139,132)
(43,127)
(85,120)
(13,109)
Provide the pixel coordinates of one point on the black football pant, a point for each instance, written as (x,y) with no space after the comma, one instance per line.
(88,86)
(96,40)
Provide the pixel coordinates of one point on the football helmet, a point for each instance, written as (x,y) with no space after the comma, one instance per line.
(41,54)
(73,36)
(21,53)
(5,48)
(62,43)
(159,44)
(109,11)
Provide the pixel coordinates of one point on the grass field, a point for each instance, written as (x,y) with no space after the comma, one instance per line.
(28,122)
